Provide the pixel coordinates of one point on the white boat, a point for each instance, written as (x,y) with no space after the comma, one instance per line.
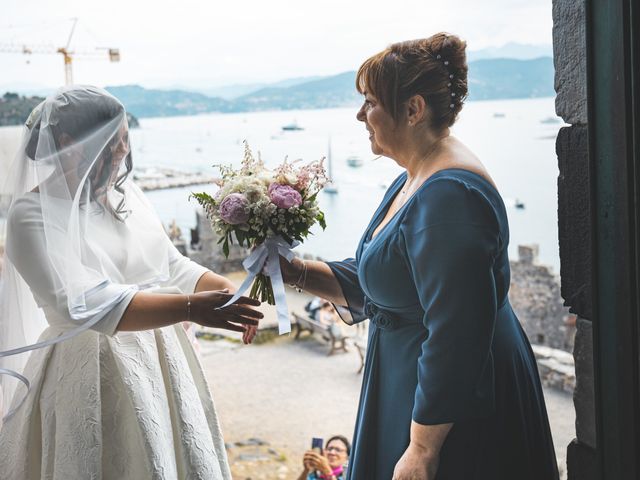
(291,127)
(330,187)
(354,161)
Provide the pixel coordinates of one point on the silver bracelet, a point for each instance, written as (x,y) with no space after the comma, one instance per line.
(188,308)
(303,278)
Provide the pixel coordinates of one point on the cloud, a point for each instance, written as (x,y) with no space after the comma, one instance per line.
(197,41)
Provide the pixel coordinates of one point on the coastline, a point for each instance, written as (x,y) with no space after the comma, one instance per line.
(151,179)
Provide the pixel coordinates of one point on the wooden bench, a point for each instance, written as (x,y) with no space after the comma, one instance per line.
(362,350)
(312,326)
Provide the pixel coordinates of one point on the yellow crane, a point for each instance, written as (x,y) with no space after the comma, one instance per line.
(66,52)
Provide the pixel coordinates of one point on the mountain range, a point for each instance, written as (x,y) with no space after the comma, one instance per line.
(517,51)
(489,79)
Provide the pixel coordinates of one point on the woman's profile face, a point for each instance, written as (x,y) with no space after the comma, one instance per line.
(119,151)
(380,125)
(336,453)
(105,170)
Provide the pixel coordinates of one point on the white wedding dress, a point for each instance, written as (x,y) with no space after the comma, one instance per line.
(105,404)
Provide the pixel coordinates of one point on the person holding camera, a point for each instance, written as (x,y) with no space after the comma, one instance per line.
(330,464)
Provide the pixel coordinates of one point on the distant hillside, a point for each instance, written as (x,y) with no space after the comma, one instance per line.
(15,109)
(164,103)
(327,92)
(489,79)
(229,92)
(507,78)
(514,50)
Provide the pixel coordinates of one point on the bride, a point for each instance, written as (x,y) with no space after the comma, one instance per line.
(99,378)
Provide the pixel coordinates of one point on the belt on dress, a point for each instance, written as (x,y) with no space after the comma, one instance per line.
(386,320)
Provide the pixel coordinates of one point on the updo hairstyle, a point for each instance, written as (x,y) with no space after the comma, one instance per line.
(434,68)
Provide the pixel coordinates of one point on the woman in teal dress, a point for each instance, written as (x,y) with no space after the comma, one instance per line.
(450,389)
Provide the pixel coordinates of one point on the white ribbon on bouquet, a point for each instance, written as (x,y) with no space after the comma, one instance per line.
(267,256)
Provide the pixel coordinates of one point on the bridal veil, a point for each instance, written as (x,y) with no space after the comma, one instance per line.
(74,160)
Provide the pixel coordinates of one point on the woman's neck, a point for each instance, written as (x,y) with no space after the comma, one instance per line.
(422,155)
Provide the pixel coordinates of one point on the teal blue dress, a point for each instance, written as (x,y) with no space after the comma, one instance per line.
(444,344)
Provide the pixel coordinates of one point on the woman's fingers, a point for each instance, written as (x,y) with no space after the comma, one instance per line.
(240,315)
(252,332)
(225,296)
(247,336)
(221,320)
(248,301)
(221,297)
(231,326)
(243,311)
(247,311)
(238,319)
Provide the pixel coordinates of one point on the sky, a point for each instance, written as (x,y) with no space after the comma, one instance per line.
(209,43)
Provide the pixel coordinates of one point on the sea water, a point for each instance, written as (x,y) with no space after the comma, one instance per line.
(515,139)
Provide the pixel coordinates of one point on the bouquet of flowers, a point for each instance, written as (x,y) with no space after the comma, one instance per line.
(267,210)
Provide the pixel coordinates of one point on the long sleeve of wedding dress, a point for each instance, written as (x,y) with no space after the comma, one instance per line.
(27,249)
(184,272)
(108,404)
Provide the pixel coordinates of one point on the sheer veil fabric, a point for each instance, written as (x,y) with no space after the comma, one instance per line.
(73,162)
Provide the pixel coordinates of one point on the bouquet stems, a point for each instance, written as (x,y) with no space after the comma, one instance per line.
(262,289)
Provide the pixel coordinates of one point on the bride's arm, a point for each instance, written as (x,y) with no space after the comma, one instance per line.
(156,310)
(213,281)
(192,277)
(122,305)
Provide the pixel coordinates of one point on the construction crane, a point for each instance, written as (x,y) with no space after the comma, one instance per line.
(67,53)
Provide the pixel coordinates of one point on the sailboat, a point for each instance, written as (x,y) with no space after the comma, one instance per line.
(330,187)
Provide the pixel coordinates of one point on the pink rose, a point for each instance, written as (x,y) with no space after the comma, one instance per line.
(284,196)
(233,209)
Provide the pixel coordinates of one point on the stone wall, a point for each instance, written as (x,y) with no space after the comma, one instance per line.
(574,219)
(556,368)
(535,297)
(208,252)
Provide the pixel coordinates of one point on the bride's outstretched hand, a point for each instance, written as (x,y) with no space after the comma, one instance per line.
(239,316)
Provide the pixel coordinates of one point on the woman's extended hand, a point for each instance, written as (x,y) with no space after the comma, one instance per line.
(314,461)
(239,317)
(415,464)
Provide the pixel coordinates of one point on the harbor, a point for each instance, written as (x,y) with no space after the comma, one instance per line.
(150,179)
